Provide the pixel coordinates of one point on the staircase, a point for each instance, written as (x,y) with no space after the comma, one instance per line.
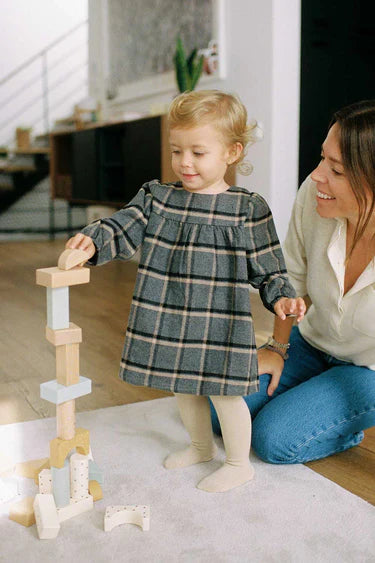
(24,166)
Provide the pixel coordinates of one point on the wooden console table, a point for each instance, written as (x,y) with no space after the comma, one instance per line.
(108,163)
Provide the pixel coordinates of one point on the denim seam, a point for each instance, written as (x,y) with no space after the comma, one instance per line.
(300,446)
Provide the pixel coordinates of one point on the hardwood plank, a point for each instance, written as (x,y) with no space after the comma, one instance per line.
(368,443)
(101,309)
(353,470)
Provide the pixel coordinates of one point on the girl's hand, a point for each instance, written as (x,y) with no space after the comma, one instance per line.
(273,364)
(82,242)
(286,306)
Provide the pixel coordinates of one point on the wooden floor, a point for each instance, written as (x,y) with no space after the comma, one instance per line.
(101,308)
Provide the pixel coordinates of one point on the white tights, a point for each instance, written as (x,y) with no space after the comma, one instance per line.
(235,422)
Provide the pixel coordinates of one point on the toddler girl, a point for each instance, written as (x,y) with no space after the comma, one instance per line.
(202,242)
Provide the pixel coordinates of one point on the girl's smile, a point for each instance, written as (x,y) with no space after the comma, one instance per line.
(200,158)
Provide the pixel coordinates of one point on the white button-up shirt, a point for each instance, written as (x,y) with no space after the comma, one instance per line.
(315,249)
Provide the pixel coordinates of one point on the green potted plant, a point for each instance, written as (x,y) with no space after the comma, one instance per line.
(188,69)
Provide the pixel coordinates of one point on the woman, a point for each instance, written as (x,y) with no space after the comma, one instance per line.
(317,393)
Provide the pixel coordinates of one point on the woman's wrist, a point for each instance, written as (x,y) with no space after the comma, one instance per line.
(275,346)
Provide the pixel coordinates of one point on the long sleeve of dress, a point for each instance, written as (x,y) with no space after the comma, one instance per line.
(266,265)
(120,235)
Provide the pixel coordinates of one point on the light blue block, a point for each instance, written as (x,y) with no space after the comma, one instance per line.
(58,307)
(56,393)
(61,484)
(95,474)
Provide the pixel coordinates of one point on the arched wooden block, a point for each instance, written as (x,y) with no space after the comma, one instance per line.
(128,514)
(72,257)
(59,448)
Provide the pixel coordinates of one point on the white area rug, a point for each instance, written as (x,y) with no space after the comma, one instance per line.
(287,514)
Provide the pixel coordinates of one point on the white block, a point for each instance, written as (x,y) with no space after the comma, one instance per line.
(47,521)
(61,484)
(128,514)
(8,489)
(58,307)
(6,465)
(76,506)
(45,482)
(56,393)
(79,476)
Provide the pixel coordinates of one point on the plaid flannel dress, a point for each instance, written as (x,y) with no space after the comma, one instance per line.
(190,328)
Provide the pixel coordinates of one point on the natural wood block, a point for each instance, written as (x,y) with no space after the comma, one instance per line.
(95,490)
(54,277)
(72,257)
(66,420)
(59,337)
(23,512)
(59,448)
(30,469)
(67,364)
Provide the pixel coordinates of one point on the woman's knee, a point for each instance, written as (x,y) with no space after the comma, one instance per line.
(271,441)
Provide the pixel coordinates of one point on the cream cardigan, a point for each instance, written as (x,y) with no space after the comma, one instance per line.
(340,325)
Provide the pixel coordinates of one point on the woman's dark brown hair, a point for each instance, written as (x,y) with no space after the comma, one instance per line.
(357,145)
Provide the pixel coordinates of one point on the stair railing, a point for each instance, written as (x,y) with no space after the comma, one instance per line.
(42,120)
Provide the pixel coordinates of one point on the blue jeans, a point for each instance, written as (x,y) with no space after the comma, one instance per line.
(321,407)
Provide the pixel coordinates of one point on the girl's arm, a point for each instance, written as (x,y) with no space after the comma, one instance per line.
(118,236)
(266,265)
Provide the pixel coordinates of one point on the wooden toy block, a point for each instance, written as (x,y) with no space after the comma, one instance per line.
(72,257)
(47,521)
(22,512)
(79,476)
(67,364)
(8,489)
(75,507)
(54,277)
(95,474)
(66,420)
(58,307)
(128,514)
(31,469)
(56,393)
(59,448)
(61,484)
(95,490)
(46,465)
(59,337)
(45,482)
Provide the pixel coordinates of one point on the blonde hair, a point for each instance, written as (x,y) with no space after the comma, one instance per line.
(225,111)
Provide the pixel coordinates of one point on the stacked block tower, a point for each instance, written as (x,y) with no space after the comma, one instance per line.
(66,479)
(69,481)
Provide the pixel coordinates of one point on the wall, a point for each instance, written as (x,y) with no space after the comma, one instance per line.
(262,52)
(27,27)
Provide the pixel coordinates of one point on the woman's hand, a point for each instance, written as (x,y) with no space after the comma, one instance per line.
(286,306)
(273,364)
(82,242)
